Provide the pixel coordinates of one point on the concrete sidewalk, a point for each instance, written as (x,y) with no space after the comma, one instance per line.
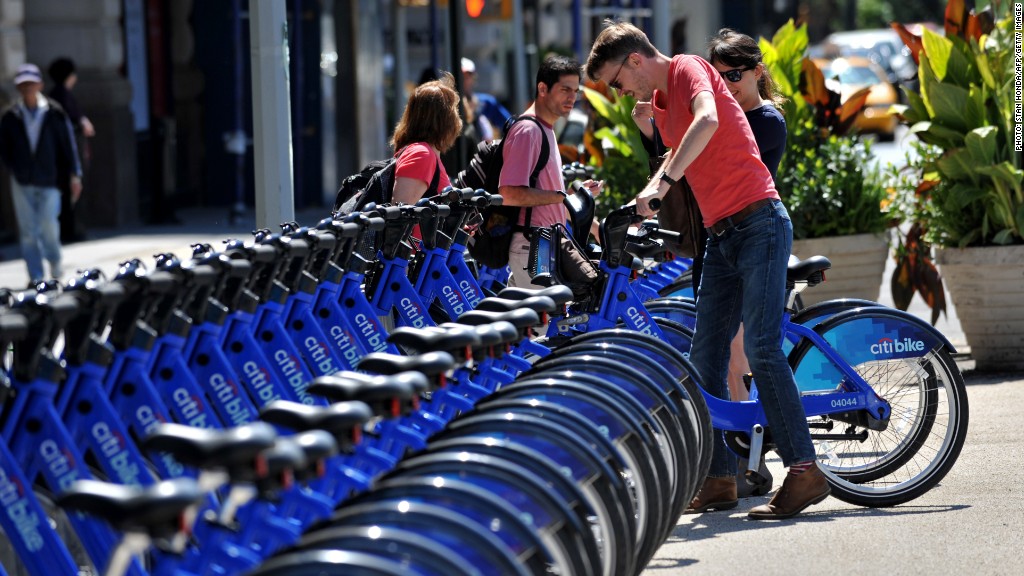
(106,249)
(971,523)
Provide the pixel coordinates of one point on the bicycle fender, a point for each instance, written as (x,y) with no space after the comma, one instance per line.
(863,335)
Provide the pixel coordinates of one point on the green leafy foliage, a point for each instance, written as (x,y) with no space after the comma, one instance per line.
(964,108)
(831,187)
(623,163)
(825,177)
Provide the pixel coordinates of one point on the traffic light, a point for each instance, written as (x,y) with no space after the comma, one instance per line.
(489,9)
(475,7)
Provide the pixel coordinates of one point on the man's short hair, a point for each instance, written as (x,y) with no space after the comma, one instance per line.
(553,68)
(614,43)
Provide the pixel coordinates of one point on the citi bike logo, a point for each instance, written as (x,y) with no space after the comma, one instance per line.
(643,322)
(890,346)
(192,411)
(60,463)
(410,308)
(370,329)
(467,289)
(259,381)
(318,355)
(148,419)
(343,340)
(290,370)
(16,506)
(227,394)
(454,300)
(113,448)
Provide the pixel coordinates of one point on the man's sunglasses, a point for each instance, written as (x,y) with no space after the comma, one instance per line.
(735,74)
(614,84)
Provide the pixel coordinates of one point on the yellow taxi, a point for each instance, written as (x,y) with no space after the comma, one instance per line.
(853,73)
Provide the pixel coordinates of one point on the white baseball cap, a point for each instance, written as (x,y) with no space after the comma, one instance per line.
(27,73)
(468,66)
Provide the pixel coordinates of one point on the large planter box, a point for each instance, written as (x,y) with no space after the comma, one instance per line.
(858,262)
(987,288)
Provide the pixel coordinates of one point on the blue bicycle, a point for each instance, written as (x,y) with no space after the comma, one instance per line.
(886,404)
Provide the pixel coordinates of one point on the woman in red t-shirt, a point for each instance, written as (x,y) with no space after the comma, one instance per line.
(429,126)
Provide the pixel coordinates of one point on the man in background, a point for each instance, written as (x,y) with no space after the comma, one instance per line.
(485,105)
(36,143)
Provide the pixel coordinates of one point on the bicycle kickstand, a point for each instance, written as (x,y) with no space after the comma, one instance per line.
(754,460)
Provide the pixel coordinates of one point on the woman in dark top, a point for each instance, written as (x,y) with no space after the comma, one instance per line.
(737,58)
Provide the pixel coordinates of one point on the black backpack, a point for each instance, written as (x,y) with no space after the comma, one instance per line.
(494,236)
(374,183)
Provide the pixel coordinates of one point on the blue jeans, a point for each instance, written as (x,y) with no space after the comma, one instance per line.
(744,278)
(38,210)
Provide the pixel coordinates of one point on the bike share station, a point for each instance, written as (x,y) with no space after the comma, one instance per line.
(247,411)
(348,397)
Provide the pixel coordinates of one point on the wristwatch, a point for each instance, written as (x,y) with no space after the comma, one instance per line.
(666,178)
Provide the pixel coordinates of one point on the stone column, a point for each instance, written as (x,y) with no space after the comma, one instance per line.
(12,53)
(89,31)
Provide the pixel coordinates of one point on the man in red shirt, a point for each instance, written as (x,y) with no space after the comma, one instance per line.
(750,238)
(558,84)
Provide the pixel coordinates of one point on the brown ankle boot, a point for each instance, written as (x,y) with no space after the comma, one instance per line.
(797,492)
(714,494)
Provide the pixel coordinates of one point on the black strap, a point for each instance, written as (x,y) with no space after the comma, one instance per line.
(435,181)
(545,151)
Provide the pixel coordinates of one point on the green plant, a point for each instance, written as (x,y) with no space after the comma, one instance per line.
(620,158)
(832,188)
(966,183)
(964,108)
(825,177)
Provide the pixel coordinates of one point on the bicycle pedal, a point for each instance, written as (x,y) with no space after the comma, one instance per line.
(755,478)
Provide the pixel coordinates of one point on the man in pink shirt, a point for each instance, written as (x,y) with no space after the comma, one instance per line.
(558,84)
(750,238)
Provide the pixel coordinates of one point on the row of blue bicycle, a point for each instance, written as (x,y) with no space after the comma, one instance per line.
(301,402)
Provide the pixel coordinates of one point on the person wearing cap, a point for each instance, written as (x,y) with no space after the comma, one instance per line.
(36,143)
(62,72)
(485,104)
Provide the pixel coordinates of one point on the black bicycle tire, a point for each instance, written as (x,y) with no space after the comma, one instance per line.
(649,468)
(685,445)
(678,364)
(622,556)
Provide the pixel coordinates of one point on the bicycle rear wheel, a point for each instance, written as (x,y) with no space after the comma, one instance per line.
(928,423)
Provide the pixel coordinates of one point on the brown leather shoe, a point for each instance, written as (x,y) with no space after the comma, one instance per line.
(714,494)
(797,492)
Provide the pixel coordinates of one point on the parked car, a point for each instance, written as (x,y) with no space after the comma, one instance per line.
(854,73)
(880,45)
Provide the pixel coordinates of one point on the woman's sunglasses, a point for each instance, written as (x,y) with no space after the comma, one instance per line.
(735,74)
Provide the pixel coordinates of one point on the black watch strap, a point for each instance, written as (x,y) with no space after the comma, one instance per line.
(666,178)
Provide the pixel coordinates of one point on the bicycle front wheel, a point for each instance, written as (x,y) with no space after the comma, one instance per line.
(926,392)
